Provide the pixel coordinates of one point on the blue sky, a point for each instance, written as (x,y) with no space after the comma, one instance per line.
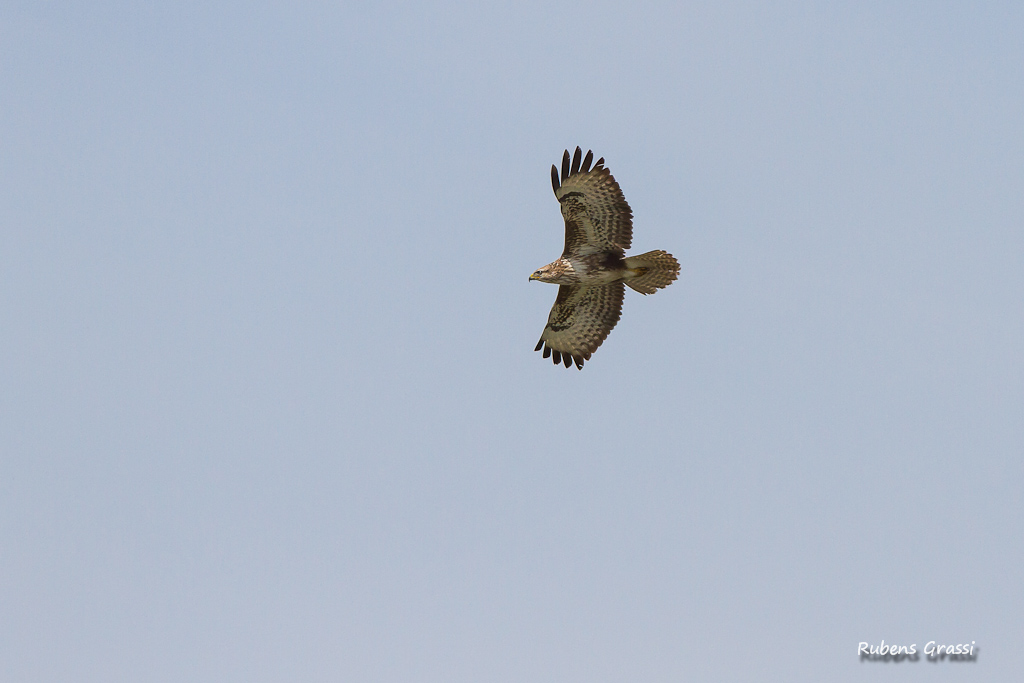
(269,406)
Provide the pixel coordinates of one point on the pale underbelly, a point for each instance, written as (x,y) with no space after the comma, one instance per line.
(600,276)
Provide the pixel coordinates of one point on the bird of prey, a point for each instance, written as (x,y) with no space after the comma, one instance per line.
(593,270)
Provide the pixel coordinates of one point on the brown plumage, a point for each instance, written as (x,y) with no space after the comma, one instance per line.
(593,268)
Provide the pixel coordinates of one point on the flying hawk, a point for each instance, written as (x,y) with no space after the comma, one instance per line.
(593,267)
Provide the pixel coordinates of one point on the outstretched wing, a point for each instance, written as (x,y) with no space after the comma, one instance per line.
(579,321)
(597,217)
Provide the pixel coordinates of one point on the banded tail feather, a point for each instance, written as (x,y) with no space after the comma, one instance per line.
(658,269)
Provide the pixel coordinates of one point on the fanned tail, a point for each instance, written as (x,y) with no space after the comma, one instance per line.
(654,270)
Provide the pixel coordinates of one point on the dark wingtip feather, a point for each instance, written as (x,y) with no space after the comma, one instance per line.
(586,161)
(567,360)
(547,352)
(554,179)
(556,357)
(565,165)
(539,344)
(579,362)
(577,155)
(599,164)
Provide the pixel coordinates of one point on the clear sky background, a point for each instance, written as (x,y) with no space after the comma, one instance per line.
(269,405)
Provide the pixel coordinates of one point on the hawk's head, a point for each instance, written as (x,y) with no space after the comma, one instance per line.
(560,273)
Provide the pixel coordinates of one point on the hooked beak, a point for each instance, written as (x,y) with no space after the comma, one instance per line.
(532,277)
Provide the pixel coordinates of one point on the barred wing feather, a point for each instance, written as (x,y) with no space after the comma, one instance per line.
(597,217)
(580,321)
